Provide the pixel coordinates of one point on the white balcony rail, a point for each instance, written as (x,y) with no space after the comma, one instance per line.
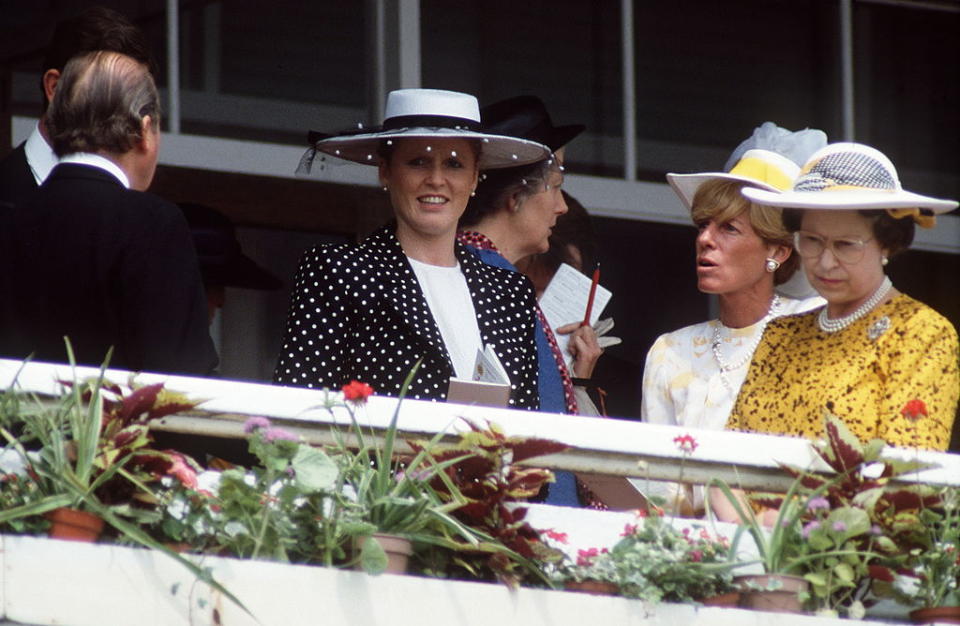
(597,445)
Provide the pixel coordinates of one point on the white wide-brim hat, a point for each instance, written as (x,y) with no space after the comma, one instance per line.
(429,114)
(769,158)
(848,176)
(762,168)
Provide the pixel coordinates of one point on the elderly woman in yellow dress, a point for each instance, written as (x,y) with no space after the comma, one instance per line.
(883,362)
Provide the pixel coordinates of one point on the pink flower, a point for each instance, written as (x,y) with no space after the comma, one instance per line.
(809,528)
(696,556)
(255,423)
(914,410)
(181,471)
(839,526)
(279,434)
(686,443)
(628,529)
(818,503)
(555,535)
(357,392)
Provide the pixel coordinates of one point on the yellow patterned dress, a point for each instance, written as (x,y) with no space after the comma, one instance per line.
(866,374)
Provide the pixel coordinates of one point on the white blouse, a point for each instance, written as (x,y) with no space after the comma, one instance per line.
(448,297)
(683,384)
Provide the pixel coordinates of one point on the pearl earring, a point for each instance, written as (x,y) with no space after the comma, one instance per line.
(385,188)
(772,265)
(473,194)
(884,260)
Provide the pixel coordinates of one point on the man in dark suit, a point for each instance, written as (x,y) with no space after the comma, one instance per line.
(91,257)
(96,28)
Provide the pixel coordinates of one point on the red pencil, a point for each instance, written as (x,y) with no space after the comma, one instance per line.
(593,292)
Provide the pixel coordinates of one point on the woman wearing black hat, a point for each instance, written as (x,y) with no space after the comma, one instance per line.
(511,218)
(409,292)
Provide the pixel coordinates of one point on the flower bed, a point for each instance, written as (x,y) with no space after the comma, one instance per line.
(461,502)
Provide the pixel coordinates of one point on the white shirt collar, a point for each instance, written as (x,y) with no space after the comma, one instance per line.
(89,158)
(40,156)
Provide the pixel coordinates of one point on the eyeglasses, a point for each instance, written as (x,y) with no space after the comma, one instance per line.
(845,249)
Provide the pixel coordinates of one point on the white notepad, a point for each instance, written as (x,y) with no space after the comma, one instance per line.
(564,301)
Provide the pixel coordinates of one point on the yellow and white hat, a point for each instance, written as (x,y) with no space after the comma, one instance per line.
(770,159)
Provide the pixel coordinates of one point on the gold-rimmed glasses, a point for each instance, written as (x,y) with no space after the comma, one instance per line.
(845,249)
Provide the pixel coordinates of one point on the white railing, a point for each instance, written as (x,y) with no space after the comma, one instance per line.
(597,445)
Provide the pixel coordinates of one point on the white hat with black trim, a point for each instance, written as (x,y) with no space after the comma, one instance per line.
(430,113)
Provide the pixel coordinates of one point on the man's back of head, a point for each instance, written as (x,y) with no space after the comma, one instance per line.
(107,104)
(95,28)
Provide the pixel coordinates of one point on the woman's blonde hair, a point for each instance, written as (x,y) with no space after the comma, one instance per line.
(721,201)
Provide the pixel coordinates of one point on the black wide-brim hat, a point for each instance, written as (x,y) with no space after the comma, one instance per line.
(222,261)
(527,117)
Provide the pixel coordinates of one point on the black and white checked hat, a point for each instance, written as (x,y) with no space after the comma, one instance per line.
(849,176)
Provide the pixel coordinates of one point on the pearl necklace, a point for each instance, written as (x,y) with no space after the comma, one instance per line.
(748,355)
(828,325)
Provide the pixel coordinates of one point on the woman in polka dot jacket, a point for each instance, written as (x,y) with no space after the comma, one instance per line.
(409,291)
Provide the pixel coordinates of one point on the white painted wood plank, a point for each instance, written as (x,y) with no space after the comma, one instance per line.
(53,582)
(606,446)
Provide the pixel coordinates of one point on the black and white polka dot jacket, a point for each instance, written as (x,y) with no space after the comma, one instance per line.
(357,313)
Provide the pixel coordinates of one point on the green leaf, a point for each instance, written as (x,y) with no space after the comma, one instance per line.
(820,541)
(373,558)
(315,471)
(844,572)
(816,579)
(872,450)
(856,521)
(886,544)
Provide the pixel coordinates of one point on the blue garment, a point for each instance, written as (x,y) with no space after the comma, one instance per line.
(552,399)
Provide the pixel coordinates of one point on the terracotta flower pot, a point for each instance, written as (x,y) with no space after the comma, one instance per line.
(598,587)
(731,598)
(759,597)
(74,525)
(939,614)
(398,551)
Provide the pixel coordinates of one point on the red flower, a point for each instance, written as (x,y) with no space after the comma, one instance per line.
(629,529)
(686,443)
(556,536)
(914,410)
(357,391)
(696,556)
(585,557)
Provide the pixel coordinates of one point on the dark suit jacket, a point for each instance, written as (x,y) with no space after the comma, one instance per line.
(357,312)
(16,179)
(86,258)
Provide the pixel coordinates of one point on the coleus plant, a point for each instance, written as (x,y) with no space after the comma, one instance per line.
(864,487)
(488,476)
